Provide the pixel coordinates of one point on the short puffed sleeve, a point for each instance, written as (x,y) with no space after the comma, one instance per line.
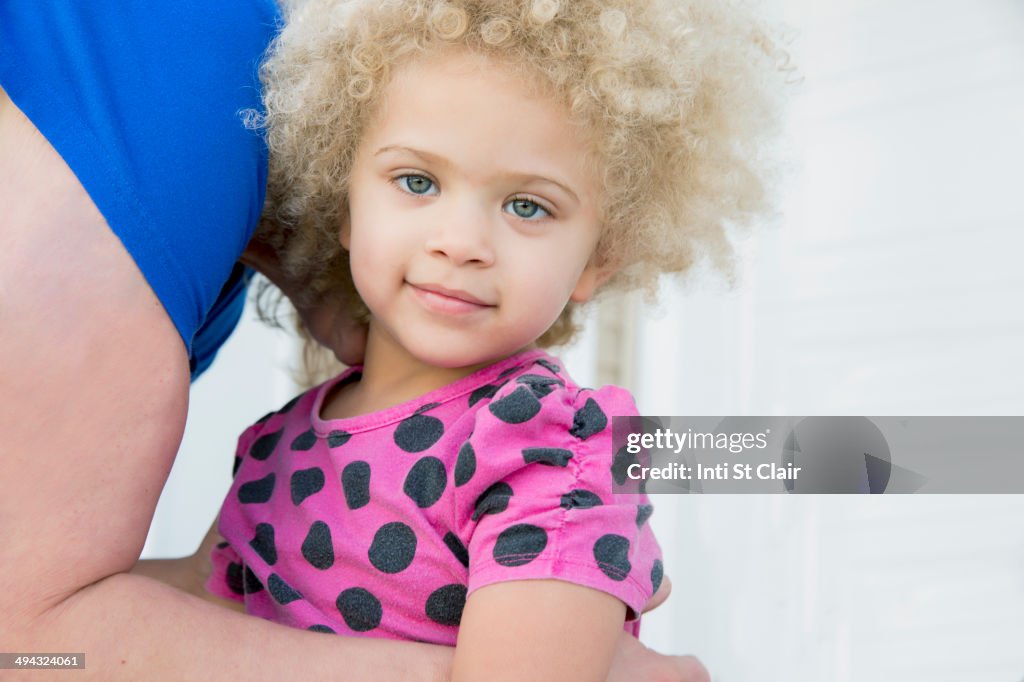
(535,495)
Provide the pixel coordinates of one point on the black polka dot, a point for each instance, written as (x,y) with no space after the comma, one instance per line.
(335,439)
(282,592)
(620,464)
(355,482)
(550,456)
(265,444)
(393,548)
(426,481)
(458,549)
(252,583)
(465,465)
(580,499)
(360,609)
(494,500)
(612,555)
(304,441)
(222,545)
(657,573)
(588,420)
(418,432)
(485,391)
(540,385)
(234,469)
(643,512)
(234,578)
(445,604)
(257,491)
(321,628)
(306,482)
(554,369)
(263,543)
(265,417)
(519,545)
(317,548)
(519,406)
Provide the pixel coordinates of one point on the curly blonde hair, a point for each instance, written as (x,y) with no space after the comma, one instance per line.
(679,98)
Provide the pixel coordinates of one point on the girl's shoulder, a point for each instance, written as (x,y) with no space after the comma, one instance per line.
(541,415)
(542,390)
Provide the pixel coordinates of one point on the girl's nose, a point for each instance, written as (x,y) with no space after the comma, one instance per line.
(463,235)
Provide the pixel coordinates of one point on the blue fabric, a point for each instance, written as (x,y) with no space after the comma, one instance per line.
(220,321)
(143,102)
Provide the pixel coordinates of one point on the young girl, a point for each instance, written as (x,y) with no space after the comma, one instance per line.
(475,170)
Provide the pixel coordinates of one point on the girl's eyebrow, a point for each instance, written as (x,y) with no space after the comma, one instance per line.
(430,157)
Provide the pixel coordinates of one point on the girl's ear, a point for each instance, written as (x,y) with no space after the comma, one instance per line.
(593,276)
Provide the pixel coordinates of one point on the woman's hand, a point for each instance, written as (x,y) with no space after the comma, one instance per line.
(329,322)
(660,596)
(634,661)
(331,325)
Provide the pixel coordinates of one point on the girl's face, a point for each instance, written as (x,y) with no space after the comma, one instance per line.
(473,213)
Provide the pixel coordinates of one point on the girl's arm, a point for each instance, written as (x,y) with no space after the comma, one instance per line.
(538,630)
(556,554)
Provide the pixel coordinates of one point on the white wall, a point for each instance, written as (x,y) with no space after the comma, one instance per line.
(892,287)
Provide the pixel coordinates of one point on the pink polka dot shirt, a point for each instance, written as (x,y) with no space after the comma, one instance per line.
(381,525)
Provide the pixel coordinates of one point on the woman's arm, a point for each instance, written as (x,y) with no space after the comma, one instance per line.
(537,630)
(189,573)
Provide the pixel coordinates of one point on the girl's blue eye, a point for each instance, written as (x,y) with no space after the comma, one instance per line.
(526,209)
(415,184)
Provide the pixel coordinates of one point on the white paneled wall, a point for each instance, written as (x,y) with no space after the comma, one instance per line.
(893,285)
(816,588)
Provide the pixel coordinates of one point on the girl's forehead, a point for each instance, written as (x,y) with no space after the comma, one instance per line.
(473,106)
(450,67)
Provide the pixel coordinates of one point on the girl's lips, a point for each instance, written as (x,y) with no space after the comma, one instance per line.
(447,301)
